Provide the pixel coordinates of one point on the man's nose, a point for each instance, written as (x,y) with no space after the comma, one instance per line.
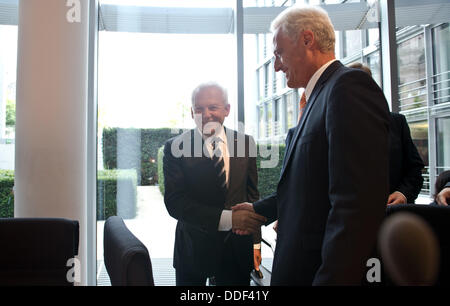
(277,64)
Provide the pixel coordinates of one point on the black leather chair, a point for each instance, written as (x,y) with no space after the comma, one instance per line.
(438,218)
(126,258)
(36,251)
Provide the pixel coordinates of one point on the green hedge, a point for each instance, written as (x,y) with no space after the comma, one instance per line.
(6,194)
(160,170)
(113,186)
(267,177)
(138,149)
(116,193)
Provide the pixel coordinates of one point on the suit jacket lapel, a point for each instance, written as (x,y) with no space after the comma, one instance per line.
(317,88)
(232,150)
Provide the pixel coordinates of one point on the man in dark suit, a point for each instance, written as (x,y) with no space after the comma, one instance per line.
(206,171)
(405,163)
(331,196)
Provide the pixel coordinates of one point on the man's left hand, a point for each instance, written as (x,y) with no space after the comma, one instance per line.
(396,198)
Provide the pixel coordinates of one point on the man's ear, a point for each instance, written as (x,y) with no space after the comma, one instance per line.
(227,109)
(307,38)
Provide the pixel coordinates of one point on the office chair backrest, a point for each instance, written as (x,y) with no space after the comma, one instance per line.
(36,251)
(438,218)
(126,258)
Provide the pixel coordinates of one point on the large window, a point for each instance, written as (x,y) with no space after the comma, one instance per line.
(8,63)
(419,135)
(441,52)
(145,82)
(443,144)
(411,71)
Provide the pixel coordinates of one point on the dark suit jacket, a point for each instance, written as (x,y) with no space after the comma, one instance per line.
(332,193)
(193,197)
(405,165)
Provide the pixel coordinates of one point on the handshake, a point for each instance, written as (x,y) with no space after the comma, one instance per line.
(244,219)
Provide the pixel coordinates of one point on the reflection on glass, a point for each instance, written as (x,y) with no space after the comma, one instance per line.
(441,53)
(290,110)
(8,67)
(261,121)
(269,131)
(419,135)
(277,117)
(411,73)
(373,36)
(373,62)
(352,42)
(443,143)
(261,83)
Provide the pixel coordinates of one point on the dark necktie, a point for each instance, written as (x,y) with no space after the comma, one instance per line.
(219,164)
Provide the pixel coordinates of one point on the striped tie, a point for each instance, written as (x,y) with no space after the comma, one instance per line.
(219,164)
(302,106)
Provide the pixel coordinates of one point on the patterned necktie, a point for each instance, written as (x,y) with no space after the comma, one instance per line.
(219,164)
(302,106)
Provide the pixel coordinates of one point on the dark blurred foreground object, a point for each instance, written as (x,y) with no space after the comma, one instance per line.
(126,258)
(409,250)
(38,251)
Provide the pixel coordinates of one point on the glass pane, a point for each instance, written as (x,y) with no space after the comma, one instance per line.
(269,130)
(145,82)
(261,121)
(352,42)
(419,135)
(290,110)
(373,36)
(441,53)
(8,67)
(443,144)
(277,121)
(373,62)
(411,71)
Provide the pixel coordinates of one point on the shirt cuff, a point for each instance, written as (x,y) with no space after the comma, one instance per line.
(225,223)
(257,246)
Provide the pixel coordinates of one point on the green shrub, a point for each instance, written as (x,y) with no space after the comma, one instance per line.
(6,194)
(267,177)
(113,186)
(116,193)
(161,170)
(135,149)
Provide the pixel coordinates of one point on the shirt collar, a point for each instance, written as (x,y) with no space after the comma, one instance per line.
(312,82)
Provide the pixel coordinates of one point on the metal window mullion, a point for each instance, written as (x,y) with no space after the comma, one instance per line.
(239,38)
(430,117)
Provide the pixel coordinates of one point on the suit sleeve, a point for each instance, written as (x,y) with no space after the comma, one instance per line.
(357,123)
(252,177)
(412,180)
(252,182)
(176,196)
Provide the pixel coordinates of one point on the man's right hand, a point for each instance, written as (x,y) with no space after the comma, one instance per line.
(245,221)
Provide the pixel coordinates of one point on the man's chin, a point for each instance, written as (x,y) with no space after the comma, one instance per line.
(210,128)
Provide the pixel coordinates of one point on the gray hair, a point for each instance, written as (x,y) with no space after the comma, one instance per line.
(296,19)
(208,85)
